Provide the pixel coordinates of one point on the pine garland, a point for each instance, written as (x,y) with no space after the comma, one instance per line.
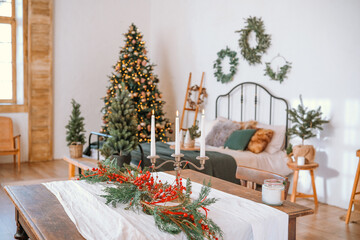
(305,121)
(75,127)
(220,76)
(140,190)
(253,55)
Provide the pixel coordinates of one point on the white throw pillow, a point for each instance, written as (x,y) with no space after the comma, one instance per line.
(208,126)
(278,140)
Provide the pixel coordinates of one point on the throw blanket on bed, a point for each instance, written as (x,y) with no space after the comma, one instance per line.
(239,218)
(219,165)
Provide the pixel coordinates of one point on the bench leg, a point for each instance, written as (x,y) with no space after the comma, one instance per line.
(71,171)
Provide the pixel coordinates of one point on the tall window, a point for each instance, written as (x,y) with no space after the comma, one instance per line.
(7,51)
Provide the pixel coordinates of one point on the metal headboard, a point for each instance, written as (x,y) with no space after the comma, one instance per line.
(256,103)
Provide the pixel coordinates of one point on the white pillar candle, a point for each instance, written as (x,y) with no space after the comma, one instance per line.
(202,138)
(177,137)
(153,140)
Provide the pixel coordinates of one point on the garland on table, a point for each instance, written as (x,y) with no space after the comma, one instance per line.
(141,191)
(279,75)
(222,77)
(253,55)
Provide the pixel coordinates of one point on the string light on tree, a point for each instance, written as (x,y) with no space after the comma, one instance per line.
(136,72)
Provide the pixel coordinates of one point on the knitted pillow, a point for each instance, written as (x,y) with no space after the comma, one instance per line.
(260,140)
(220,132)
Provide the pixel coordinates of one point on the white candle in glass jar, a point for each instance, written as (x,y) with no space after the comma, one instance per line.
(272,192)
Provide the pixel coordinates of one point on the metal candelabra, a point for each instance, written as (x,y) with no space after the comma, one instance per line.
(177,162)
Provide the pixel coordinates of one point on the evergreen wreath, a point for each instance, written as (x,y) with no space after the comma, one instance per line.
(253,55)
(139,190)
(222,77)
(278,75)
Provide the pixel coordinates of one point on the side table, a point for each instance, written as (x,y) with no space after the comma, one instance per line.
(296,168)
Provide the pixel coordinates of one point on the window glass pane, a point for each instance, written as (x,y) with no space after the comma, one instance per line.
(5,80)
(5,8)
(5,32)
(5,52)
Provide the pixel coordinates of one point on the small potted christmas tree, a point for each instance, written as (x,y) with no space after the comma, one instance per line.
(191,134)
(75,136)
(122,127)
(305,123)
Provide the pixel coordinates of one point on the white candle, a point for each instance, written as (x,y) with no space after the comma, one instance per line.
(202,137)
(272,193)
(177,137)
(153,140)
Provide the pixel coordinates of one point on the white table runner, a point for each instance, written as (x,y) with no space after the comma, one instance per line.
(239,218)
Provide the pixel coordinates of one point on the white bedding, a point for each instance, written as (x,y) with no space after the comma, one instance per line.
(275,162)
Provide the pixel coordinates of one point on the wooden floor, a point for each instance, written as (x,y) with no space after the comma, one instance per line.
(324,224)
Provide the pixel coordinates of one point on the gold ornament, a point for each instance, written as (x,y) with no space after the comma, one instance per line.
(133,41)
(148,93)
(137,79)
(142,80)
(144,63)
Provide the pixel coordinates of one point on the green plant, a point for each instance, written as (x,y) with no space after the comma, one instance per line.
(305,121)
(75,127)
(220,76)
(122,124)
(193,130)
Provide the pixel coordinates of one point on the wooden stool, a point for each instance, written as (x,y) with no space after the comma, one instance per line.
(352,199)
(297,168)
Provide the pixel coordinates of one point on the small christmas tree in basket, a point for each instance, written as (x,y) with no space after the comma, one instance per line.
(75,136)
(305,123)
(122,127)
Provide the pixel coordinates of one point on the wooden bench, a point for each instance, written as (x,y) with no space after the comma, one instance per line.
(82,163)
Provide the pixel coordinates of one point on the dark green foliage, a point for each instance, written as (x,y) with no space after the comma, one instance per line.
(279,76)
(193,130)
(75,128)
(220,76)
(253,55)
(289,149)
(122,124)
(305,122)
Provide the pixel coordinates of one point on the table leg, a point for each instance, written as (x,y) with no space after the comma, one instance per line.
(293,194)
(71,171)
(292,229)
(20,232)
(313,186)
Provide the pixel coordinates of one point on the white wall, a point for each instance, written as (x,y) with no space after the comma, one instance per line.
(320,38)
(88,35)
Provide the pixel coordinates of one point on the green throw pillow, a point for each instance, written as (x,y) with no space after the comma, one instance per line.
(239,139)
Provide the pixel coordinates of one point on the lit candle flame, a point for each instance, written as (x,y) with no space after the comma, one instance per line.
(203,111)
(177,113)
(153,112)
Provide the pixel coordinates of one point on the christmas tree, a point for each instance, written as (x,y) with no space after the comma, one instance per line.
(75,127)
(134,70)
(305,121)
(121,124)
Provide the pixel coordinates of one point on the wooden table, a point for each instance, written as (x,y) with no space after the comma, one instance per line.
(39,215)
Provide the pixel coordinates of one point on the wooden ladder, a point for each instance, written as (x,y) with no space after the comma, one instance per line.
(196,109)
(354,193)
